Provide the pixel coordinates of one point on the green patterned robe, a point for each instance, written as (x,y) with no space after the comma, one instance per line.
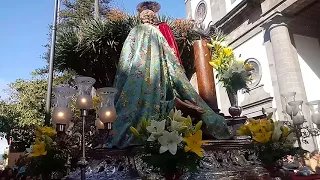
(148,79)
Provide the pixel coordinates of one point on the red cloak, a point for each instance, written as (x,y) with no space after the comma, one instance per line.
(167,33)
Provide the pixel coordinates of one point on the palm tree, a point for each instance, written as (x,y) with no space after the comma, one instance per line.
(94,47)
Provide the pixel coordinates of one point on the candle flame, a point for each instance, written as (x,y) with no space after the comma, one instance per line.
(108,113)
(83,100)
(60,114)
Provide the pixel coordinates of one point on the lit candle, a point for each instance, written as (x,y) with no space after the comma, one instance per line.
(84,102)
(61,115)
(107,114)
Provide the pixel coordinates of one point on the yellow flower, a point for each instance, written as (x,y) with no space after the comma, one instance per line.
(244,130)
(255,127)
(248,67)
(38,131)
(49,131)
(228,51)
(194,143)
(263,136)
(212,64)
(143,124)
(134,131)
(215,62)
(253,122)
(210,46)
(39,149)
(270,115)
(37,141)
(285,131)
(187,122)
(267,125)
(96,101)
(198,126)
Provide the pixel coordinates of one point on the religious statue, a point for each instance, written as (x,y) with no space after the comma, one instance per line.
(150,80)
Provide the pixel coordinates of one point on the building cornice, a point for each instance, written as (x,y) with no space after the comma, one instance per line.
(241,13)
(233,13)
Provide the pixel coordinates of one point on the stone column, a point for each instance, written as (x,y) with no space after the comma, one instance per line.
(204,71)
(287,67)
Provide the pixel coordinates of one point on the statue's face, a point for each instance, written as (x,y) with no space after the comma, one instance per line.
(148,16)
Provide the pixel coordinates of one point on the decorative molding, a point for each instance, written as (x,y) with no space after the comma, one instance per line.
(202,6)
(258,103)
(257,99)
(256,72)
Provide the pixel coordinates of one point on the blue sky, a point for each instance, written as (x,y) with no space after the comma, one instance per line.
(24,29)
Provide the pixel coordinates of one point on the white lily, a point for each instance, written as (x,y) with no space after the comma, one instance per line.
(277,131)
(176,115)
(156,129)
(177,126)
(169,141)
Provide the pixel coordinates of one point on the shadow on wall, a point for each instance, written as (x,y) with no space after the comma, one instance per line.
(309,51)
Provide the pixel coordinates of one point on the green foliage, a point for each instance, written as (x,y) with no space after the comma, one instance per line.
(8,116)
(270,153)
(166,163)
(27,98)
(47,154)
(236,82)
(75,11)
(55,160)
(25,108)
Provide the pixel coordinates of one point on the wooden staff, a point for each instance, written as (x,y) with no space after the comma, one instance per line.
(205,76)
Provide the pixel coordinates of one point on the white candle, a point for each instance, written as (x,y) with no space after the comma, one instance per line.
(108,114)
(84,102)
(61,115)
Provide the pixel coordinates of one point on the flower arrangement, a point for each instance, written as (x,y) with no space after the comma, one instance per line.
(232,73)
(272,140)
(172,143)
(44,156)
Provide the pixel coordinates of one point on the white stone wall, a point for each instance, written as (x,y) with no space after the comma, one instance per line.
(230,4)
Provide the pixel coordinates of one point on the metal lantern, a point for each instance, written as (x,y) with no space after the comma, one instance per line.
(288,97)
(315,111)
(61,113)
(296,112)
(107,112)
(84,99)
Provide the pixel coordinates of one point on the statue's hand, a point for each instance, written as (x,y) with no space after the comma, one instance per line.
(193,105)
(189,109)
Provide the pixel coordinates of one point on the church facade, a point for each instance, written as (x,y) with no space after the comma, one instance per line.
(280,38)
